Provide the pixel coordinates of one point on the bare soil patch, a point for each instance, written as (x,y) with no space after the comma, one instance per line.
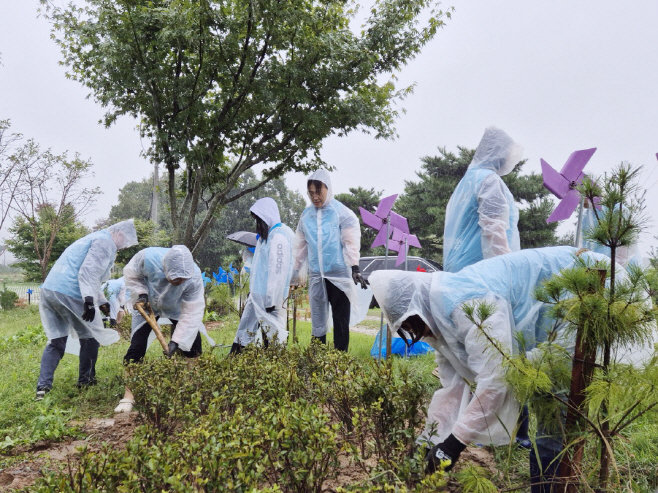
(53,456)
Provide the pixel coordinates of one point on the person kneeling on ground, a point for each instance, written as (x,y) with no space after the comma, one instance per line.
(68,299)
(264,315)
(167,281)
(430,307)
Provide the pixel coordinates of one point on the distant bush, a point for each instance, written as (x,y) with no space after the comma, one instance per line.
(271,419)
(7,299)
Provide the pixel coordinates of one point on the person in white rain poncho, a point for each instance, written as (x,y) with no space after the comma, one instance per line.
(71,297)
(264,316)
(481,216)
(115,292)
(429,306)
(327,244)
(167,280)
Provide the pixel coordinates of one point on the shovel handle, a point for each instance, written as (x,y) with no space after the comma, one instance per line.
(154,325)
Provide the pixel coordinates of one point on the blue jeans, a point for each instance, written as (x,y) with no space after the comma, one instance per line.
(54,352)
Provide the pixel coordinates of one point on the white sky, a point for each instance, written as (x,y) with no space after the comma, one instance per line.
(556,75)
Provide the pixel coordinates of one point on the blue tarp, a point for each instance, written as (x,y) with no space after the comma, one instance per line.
(398,346)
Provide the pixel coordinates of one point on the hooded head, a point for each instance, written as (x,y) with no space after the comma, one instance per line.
(267,210)
(496,151)
(178,263)
(401,295)
(322,176)
(123,234)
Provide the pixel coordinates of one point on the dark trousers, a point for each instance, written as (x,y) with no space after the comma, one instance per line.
(340,310)
(544,463)
(139,344)
(54,352)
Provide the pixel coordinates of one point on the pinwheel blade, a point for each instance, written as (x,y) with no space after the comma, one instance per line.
(573,168)
(371,220)
(399,222)
(385,206)
(394,245)
(397,235)
(566,207)
(402,256)
(412,241)
(557,184)
(380,239)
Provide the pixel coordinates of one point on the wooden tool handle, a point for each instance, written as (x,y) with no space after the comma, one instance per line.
(154,325)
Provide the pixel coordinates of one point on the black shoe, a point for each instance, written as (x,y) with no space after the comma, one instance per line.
(40,395)
(524,443)
(85,385)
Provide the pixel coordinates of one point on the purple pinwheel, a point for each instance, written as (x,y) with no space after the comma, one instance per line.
(400,242)
(563,184)
(383,216)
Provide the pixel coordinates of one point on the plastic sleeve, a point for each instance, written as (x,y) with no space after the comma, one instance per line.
(350,237)
(484,408)
(192,308)
(494,214)
(300,255)
(278,265)
(98,260)
(134,278)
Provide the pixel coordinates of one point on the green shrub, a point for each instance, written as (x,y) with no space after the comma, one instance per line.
(276,419)
(31,334)
(7,299)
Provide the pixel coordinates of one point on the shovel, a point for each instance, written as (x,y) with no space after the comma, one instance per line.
(150,319)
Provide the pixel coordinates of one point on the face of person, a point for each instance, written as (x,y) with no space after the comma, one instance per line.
(177,282)
(261,227)
(317,196)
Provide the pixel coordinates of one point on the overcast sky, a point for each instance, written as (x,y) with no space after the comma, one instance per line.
(556,75)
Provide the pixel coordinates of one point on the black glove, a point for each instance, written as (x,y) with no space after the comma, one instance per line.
(144,299)
(105,309)
(447,450)
(173,347)
(270,309)
(358,278)
(90,312)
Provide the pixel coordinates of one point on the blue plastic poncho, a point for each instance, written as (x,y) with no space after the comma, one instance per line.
(115,292)
(79,273)
(269,281)
(481,216)
(327,244)
(489,415)
(150,271)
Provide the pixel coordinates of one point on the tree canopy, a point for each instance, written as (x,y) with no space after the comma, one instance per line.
(222,86)
(424,201)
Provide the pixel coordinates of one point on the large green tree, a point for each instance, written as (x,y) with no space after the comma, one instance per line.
(424,201)
(221,86)
(22,242)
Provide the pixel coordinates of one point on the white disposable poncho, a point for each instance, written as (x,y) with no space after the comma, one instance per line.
(464,357)
(115,290)
(269,282)
(481,216)
(327,244)
(79,272)
(149,272)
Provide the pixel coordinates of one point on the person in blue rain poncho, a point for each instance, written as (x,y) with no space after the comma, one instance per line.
(70,300)
(429,307)
(115,292)
(327,244)
(264,315)
(481,216)
(169,282)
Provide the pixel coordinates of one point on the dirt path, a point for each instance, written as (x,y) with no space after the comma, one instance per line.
(56,455)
